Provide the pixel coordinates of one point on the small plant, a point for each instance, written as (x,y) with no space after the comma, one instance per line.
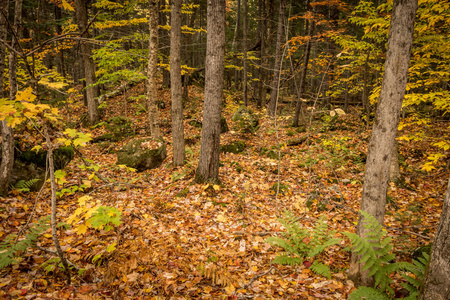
(10,249)
(302,244)
(26,186)
(375,251)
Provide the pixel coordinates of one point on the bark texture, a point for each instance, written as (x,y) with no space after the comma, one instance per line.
(208,166)
(277,66)
(152,70)
(384,130)
(7,132)
(88,62)
(436,284)
(175,79)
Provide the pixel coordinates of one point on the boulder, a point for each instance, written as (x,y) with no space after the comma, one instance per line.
(30,165)
(235,147)
(245,120)
(142,154)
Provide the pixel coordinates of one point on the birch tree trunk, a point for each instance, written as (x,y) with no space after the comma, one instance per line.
(152,92)
(436,285)
(278,53)
(208,165)
(175,79)
(384,130)
(88,62)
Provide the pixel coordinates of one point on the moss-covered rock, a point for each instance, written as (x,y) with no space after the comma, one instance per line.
(233,147)
(245,120)
(223,125)
(142,154)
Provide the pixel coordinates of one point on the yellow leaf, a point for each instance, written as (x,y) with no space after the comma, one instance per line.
(81,229)
(47,235)
(216,187)
(67,6)
(230,289)
(221,218)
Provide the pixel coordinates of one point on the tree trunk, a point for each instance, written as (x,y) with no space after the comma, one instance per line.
(7,132)
(152,70)
(298,106)
(436,285)
(15,44)
(88,62)
(175,79)
(244,50)
(164,41)
(384,130)
(3,35)
(208,165)
(277,66)
(262,35)
(233,44)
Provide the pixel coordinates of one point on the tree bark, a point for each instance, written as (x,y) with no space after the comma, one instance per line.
(7,132)
(436,284)
(88,62)
(384,130)
(244,50)
(152,70)
(208,165)
(277,66)
(233,44)
(175,79)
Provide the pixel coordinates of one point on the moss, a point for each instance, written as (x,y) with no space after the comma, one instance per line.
(182,193)
(233,147)
(283,189)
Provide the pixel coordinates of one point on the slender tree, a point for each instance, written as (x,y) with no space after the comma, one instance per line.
(278,54)
(208,165)
(384,130)
(302,85)
(436,284)
(7,132)
(152,70)
(244,50)
(175,87)
(88,62)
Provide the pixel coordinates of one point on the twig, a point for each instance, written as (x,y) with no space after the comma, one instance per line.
(256,277)
(56,254)
(408,232)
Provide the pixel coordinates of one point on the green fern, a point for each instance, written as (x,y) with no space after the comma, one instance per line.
(26,186)
(10,251)
(300,243)
(375,251)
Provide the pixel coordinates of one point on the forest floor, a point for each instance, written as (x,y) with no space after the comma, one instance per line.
(180,240)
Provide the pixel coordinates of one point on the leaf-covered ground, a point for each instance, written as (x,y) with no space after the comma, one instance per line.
(180,240)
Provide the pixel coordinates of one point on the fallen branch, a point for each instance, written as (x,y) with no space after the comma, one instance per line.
(122,88)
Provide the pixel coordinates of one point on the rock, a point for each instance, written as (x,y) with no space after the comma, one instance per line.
(223,125)
(245,120)
(233,147)
(195,123)
(142,154)
(31,165)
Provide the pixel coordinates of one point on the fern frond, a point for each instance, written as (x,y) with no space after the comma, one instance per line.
(287,260)
(10,251)
(321,269)
(367,293)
